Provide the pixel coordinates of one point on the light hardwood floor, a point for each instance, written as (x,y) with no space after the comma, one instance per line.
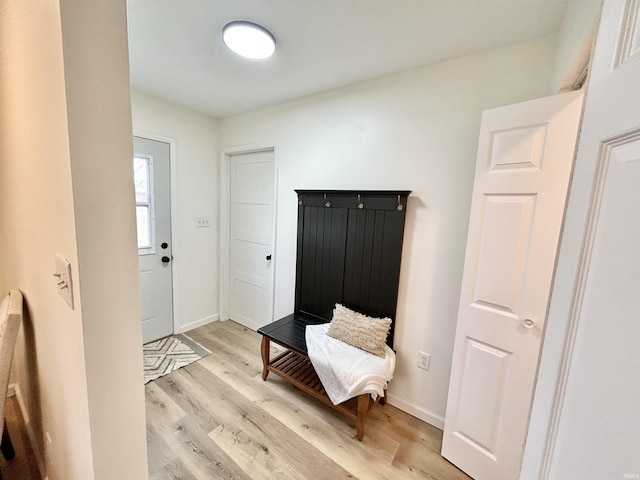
(216,418)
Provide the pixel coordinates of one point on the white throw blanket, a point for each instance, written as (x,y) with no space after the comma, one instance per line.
(347,371)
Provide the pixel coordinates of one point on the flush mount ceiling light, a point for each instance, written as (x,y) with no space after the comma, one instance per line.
(249,40)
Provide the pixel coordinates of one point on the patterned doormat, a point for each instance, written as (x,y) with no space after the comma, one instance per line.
(169,354)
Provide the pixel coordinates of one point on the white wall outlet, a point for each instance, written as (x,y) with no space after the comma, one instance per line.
(203,222)
(63,280)
(424,360)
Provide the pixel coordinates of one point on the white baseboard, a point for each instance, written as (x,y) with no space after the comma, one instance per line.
(424,415)
(14,389)
(199,323)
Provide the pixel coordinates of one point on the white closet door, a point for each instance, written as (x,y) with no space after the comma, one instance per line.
(251,237)
(524,161)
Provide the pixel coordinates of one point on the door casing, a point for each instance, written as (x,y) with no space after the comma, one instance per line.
(574,260)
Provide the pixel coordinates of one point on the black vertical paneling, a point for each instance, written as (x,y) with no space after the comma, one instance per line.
(367,257)
(333,246)
(375,282)
(299,254)
(337,265)
(325,270)
(349,255)
(308,258)
(390,263)
(320,270)
(319,261)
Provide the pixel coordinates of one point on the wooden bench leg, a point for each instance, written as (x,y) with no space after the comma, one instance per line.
(265,347)
(362,410)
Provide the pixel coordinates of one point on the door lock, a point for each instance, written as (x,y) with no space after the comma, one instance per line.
(268,257)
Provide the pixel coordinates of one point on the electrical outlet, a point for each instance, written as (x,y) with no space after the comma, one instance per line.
(424,360)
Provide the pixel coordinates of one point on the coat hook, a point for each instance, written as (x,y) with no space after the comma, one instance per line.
(326,203)
(399,206)
(360,204)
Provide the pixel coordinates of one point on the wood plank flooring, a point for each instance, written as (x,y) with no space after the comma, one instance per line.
(217,419)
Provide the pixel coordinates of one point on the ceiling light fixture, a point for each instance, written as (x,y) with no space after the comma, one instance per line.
(249,40)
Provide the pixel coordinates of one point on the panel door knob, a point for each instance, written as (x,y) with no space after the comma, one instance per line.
(528,323)
(165,259)
(268,257)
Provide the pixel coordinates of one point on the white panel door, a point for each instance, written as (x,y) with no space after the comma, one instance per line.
(153,213)
(251,237)
(524,161)
(594,431)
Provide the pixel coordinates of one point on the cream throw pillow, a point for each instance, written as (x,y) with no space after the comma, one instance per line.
(366,333)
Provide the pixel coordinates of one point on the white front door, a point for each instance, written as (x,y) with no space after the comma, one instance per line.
(251,236)
(525,154)
(153,214)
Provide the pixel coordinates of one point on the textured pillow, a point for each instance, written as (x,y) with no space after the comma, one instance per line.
(366,333)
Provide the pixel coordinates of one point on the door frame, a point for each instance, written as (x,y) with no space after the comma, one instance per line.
(224,254)
(586,192)
(174,215)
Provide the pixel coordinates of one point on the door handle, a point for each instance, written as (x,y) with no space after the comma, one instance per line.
(528,323)
(165,259)
(268,257)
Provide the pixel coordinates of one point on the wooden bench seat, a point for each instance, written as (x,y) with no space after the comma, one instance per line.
(294,366)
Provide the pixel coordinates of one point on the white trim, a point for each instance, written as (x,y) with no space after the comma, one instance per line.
(199,323)
(14,389)
(563,315)
(582,271)
(225,192)
(175,263)
(223,252)
(418,412)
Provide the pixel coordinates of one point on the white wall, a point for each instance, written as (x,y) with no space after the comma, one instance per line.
(36,222)
(415,131)
(575,40)
(196,187)
(66,187)
(99,117)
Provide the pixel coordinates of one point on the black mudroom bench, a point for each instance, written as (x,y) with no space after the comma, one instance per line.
(348,251)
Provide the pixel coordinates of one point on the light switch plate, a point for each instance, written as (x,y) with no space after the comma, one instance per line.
(62,276)
(203,222)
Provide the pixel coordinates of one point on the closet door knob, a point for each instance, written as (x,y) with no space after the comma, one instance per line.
(528,323)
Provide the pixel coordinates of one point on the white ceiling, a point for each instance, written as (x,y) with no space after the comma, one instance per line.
(176,49)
